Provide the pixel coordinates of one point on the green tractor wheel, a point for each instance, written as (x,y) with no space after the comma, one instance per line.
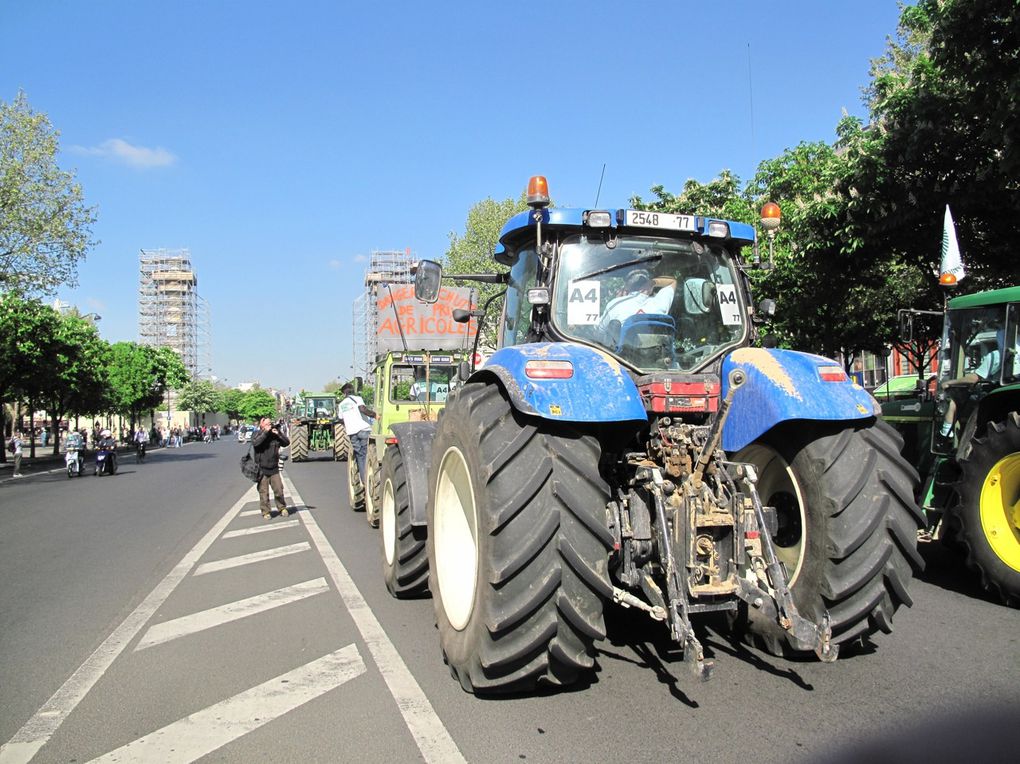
(299,443)
(341,443)
(987,518)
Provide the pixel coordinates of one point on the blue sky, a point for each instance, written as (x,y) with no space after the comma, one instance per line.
(283,142)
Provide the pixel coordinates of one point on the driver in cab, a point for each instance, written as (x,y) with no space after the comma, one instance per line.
(641,294)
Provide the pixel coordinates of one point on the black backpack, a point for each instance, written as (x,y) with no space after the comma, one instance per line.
(249,468)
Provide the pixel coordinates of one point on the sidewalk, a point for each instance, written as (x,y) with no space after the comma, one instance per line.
(45,461)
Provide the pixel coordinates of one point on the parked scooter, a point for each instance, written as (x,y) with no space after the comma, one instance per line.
(106,454)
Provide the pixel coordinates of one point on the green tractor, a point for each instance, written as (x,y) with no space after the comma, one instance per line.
(315,425)
(962,432)
(410,387)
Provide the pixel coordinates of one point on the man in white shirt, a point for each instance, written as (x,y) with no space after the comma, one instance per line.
(353,410)
(639,296)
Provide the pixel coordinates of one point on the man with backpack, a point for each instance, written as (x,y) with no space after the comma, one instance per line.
(266,445)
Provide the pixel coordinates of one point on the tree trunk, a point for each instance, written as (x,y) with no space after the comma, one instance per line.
(31,428)
(56,432)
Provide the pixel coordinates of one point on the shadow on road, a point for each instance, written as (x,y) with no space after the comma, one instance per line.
(945,568)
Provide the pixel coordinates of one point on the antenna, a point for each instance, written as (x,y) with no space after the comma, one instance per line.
(599,192)
(750,98)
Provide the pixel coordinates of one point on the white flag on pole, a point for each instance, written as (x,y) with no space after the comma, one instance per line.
(951,271)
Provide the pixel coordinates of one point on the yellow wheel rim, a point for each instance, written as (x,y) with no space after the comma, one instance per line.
(1000,510)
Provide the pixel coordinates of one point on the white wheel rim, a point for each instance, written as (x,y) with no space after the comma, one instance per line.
(369,476)
(776,477)
(388,523)
(456,539)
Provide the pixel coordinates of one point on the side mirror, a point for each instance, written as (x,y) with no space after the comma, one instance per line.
(766,310)
(427,280)
(463,371)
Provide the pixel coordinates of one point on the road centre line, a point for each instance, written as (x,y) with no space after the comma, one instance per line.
(211,728)
(247,559)
(232,611)
(429,733)
(261,529)
(40,728)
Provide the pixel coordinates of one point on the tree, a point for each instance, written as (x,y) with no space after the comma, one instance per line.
(199,396)
(45,227)
(256,404)
(28,331)
(472,253)
(140,375)
(77,378)
(229,402)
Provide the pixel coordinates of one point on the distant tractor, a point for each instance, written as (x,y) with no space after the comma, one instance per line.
(316,426)
(963,435)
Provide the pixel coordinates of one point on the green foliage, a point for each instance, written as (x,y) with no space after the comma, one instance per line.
(256,404)
(28,332)
(199,396)
(229,402)
(45,227)
(140,375)
(862,218)
(472,253)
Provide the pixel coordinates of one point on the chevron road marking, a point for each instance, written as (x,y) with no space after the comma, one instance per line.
(261,529)
(247,559)
(233,611)
(425,726)
(40,728)
(203,732)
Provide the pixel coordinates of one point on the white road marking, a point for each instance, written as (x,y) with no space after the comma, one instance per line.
(247,559)
(425,726)
(250,512)
(261,529)
(233,611)
(205,731)
(40,728)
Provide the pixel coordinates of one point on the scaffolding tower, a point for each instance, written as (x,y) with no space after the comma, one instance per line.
(170,311)
(390,266)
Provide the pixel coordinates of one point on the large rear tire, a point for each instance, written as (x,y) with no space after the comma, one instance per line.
(341,443)
(986,519)
(373,494)
(405,557)
(299,443)
(518,545)
(847,531)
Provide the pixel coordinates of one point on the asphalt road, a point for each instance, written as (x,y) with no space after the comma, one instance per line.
(136,626)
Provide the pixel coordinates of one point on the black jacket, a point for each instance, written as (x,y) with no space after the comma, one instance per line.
(266,445)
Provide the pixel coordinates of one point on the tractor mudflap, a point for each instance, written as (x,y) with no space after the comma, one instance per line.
(415,442)
(804,634)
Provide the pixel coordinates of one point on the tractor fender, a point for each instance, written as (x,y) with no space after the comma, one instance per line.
(782,385)
(597,390)
(414,439)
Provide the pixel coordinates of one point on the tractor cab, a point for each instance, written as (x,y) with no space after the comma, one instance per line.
(659,292)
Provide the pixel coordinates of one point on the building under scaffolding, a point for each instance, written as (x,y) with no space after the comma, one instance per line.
(392,267)
(170,311)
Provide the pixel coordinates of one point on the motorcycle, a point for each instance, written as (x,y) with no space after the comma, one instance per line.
(140,451)
(106,458)
(75,462)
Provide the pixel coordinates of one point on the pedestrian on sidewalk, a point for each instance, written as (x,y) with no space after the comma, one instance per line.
(16,450)
(266,444)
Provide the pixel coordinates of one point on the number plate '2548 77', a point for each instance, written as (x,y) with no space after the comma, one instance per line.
(660,220)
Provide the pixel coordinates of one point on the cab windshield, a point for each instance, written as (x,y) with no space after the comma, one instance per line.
(655,303)
(977,344)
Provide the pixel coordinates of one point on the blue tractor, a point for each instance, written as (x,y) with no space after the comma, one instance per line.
(626,444)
